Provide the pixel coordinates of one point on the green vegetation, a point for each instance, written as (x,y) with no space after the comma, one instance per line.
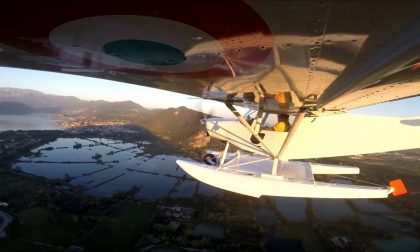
(37,216)
(14,245)
(306,234)
(121,228)
(137,214)
(38,226)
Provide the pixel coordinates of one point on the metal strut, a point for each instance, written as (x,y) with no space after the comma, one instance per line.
(249,128)
(279,157)
(292,131)
(223,158)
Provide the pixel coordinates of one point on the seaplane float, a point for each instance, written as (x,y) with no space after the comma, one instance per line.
(272,163)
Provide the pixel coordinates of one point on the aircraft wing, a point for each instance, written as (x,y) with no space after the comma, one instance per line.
(341,55)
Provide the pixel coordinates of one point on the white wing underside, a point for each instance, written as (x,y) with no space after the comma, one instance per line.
(327,136)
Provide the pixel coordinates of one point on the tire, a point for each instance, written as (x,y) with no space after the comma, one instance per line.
(210,159)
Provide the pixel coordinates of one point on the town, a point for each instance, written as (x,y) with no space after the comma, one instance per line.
(85,123)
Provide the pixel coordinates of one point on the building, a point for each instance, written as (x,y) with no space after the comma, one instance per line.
(339,243)
(177,212)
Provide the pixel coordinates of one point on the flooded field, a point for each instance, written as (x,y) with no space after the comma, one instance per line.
(104,167)
(404,243)
(331,209)
(293,209)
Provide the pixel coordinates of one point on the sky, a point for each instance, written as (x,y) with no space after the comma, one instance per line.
(87,88)
(98,89)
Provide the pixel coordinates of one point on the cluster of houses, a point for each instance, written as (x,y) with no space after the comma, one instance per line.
(177,213)
(174,216)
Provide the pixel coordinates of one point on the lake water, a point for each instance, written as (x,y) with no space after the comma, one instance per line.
(264,216)
(379,222)
(371,206)
(293,209)
(28,122)
(120,167)
(404,243)
(331,209)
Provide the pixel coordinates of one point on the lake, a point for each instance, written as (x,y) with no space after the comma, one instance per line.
(104,167)
(264,216)
(371,206)
(331,209)
(29,122)
(404,243)
(293,209)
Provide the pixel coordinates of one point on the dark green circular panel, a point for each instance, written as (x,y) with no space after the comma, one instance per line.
(145,52)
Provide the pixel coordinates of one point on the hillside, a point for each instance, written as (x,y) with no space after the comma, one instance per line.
(103,110)
(174,123)
(178,125)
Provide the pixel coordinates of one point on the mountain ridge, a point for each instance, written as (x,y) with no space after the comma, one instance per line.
(37,99)
(180,124)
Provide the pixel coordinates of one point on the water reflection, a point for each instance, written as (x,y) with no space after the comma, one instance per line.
(293,209)
(209,190)
(371,206)
(331,209)
(265,216)
(29,122)
(104,167)
(404,243)
(379,223)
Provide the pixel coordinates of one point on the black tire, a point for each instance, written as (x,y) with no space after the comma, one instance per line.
(210,159)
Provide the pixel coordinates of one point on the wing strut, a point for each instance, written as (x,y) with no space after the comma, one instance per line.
(292,131)
(249,128)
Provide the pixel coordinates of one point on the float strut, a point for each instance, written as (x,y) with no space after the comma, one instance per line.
(222,160)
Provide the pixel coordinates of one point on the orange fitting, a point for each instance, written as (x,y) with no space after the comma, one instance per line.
(398,187)
(281,98)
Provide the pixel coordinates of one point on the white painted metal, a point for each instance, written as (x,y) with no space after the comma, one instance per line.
(275,165)
(326,136)
(251,175)
(333,169)
(290,135)
(222,159)
(235,133)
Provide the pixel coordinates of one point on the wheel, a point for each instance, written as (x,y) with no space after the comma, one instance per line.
(210,159)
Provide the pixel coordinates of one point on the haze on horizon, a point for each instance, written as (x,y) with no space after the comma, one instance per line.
(88,88)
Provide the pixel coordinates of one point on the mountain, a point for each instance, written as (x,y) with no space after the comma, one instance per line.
(103,110)
(68,104)
(18,108)
(174,123)
(15,108)
(180,125)
(39,100)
